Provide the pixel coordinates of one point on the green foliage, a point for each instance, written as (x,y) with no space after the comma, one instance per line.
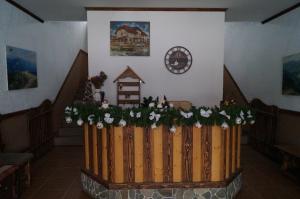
(166,115)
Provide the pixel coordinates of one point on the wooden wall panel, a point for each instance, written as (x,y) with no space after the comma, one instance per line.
(128,148)
(95,151)
(197,164)
(111,154)
(86,146)
(227,153)
(104,154)
(233,150)
(206,152)
(217,154)
(157,154)
(239,132)
(118,154)
(147,148)
(177,155)
(138,154)
(187,154)
(167,155)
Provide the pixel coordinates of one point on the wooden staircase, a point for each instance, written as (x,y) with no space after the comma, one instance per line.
(69,135)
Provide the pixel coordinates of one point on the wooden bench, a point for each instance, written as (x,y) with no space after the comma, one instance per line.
(7,181)
(290,155)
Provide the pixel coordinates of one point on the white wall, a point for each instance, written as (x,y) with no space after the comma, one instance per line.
(200,32)
(56,45)
(253,55)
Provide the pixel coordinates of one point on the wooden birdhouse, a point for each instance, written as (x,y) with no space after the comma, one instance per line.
(128,88)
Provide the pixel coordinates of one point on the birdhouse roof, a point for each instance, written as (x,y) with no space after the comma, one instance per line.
(128,72)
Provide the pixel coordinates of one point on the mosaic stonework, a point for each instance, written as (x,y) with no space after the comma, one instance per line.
(97,191)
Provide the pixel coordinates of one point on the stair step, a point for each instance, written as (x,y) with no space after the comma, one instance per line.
(68,141)
(70,132)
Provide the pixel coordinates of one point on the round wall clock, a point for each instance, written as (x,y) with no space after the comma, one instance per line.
(178,60)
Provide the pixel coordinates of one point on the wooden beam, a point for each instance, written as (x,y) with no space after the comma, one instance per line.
(283,12)
(155,9)
(25,10)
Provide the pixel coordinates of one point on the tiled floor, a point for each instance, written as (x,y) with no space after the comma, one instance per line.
(56,176)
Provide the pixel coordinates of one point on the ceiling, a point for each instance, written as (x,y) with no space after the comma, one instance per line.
(74,10)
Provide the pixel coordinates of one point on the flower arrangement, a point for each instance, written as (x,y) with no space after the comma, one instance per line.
(158,113)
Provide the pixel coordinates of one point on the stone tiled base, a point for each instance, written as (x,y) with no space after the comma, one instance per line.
(97,191)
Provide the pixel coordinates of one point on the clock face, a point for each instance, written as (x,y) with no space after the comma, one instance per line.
(178,60)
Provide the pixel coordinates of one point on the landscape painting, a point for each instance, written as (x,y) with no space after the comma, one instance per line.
(291,75)
(21,68)
(129,38)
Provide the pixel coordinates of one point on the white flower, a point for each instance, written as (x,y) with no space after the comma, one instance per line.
(249,115)
(171,105)
(244,122)
(242,115)
(159,105)
(68,109)
(198,125)
(224,125)
(131,114)
(225,114)
(75,111)
(238,120)
(79,122)
(100,125)
(107,115)
(68,120)
(157,117)
(152,115)
(186,115)
(153,126)
(108,120)
(122,123)
(91,119)
(173,129)
(204,113)
(151,105)
(105,105)
(138,115)
(252,122)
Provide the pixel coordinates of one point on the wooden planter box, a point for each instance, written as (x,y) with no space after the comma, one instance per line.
(144,158)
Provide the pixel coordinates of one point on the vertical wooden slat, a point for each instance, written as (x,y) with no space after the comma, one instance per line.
(227,153)
(217,160)
(157,155)
(104,154)
(91,149)
(147,143)
(128,148)
(138,154)
(167,155)
(206,152)
(187,153)
(239,132)
(118,156)
(99,138)
(196,154)
(95,151)
(86,147)
(111,154)
(233,150)
(177,155)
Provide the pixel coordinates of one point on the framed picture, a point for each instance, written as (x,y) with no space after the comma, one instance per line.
(129,38)
(21,68)
(291,75)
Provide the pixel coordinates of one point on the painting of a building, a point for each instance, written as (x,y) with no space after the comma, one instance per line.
(129,38)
